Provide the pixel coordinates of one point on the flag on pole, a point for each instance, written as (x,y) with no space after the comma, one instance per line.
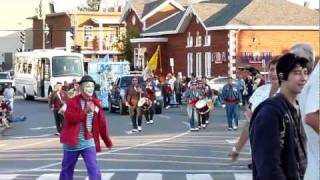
(152,64)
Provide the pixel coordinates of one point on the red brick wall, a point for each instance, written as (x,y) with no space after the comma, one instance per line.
(60,25)
(37,34)
(163,13)
(128,21)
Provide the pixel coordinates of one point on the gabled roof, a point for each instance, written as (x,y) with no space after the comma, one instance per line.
(146,8)
(255,13)
(170,24)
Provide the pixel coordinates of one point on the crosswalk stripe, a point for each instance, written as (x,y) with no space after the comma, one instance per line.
(148,176)
(104,176)
(199,176)
(8,176)
(54,176)
(242,176)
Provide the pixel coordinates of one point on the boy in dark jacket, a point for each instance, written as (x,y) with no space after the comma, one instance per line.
(277,137)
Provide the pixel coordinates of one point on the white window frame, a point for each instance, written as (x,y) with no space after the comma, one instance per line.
(198,40)
(208,63)
(189,40)
(198,64)
(190,64)
(88,33)
(207,40)
(138,58)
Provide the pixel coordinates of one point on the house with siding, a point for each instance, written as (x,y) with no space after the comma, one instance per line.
(217,37)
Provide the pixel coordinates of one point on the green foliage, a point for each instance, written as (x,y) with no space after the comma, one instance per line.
(93,5)
(131,33)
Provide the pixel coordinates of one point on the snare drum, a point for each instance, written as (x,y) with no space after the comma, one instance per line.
(145,103)
(202,106)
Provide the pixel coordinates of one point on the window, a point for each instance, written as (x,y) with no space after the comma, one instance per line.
(133,20)
(29,68)
(190,64)
(139,58)
(198,40)
(189,40)
(207,62)
(198,65)
(88,33)
(207,40)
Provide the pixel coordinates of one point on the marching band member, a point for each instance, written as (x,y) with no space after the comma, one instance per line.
(208,95)
(192,95)
(232,97)
(150,94)
(132,97)
(205,89)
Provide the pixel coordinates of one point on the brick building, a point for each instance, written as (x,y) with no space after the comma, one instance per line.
(95,33)
(216,37)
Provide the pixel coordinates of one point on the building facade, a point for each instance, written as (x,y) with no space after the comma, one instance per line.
(216,38)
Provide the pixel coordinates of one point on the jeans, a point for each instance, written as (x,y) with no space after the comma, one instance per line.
(193,116)
(232,110)
(70,159)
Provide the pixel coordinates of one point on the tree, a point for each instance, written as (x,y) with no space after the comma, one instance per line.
(123,44)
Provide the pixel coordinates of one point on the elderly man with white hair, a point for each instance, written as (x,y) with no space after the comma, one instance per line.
(309,105)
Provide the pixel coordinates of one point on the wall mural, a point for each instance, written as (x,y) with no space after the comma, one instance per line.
(256,57)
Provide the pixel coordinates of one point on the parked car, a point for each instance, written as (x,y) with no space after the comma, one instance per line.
(216,84)
(116,96)
(5,79)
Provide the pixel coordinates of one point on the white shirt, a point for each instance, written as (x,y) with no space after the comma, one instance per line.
(309,102)
(8,93)
(259,95)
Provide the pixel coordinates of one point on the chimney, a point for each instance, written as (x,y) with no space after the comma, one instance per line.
(306,4)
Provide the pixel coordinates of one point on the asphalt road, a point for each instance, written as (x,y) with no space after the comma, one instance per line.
(164,150)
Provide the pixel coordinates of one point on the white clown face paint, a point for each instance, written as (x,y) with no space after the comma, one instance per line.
(88,88)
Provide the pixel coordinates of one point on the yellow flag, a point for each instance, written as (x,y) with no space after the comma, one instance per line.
(153,62)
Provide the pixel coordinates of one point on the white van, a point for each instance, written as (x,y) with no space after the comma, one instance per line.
(37,72)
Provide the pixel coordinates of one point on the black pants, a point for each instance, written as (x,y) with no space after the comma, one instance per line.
(179,97)
(148,114)
(203,118)
(167,100)
(59,120)
(134,112)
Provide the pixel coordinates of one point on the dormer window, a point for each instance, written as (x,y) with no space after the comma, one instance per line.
(198,40)
(189,40)
(207,40)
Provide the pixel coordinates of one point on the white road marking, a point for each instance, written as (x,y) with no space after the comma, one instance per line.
(3,145)
(48,177)
(39,128)
(26,137)
(120,149)
(232,141)
(104,176)
(28,145)
(8,176)
(149,176)
(198,176)
(245,176)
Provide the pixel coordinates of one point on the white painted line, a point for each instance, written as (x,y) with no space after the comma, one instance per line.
(39,128)
(120,149)
(32,144)
(54,176)
(149,176)
(232,141)
(26,137)
(3,145)
(104,176)
(199,176)
(8,176)
(242,176)
(189,171)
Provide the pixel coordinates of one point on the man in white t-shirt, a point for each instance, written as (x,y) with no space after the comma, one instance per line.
(309,106)
(309,103)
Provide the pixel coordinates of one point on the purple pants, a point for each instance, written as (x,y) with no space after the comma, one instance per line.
(70,159)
